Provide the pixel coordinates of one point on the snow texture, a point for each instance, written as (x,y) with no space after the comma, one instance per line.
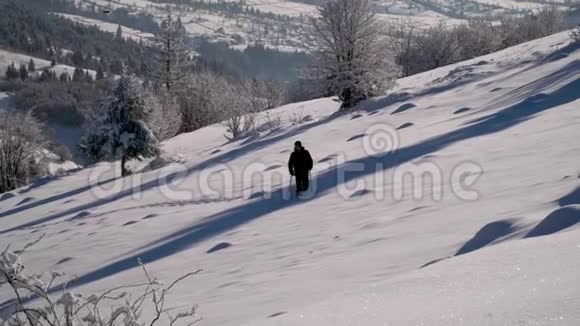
(505,254)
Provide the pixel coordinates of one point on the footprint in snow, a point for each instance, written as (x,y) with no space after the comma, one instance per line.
(360,193)
(327,158)
(219,246)
(356,116)
(80,215)
(405,125)
(462,110)
(418,208)
(404,107)
(273,167)
(356,137)
(25,200)
(434,261)
(64,260)
(277,314)
(149,216)
(228,284)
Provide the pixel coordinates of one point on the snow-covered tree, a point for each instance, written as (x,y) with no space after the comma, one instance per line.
(123,133)
(476,38)
(172,56)
(21,138)
(351,53)
(402,41)
(263,94)
(23,72)
(31,66)
(100,73)
(438,46)
(12,72)
(165,118)
(202,101)
(119,33)
(240,117)
(575,34)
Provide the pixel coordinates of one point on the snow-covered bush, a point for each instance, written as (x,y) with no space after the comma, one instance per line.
(547,21)
(298,117)
(270,123)
(437,47)
(21,140)
(476,38)
(417,50)
(165,117)
(263,95)
(239,117)
(202,101)
(575,34)
(68,308)
(122,133)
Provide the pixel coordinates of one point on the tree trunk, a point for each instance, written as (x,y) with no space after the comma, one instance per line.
(347,98)
(124,171)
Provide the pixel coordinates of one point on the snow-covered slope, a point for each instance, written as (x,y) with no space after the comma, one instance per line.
(127,32)
(7,58)
(490,237)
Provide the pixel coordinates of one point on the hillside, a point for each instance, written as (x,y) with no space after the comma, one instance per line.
(8,57)
(489,237)
(284,24)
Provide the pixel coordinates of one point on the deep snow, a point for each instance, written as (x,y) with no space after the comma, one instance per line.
(492,239)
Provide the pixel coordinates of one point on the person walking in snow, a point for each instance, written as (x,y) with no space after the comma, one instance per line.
(299,165)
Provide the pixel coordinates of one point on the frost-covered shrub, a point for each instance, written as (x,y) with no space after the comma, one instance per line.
(201,104)
(298,117)
(575,34)
(122,133)
(115,306)
(165,117)
(240,118)
(270,123)
(21,140)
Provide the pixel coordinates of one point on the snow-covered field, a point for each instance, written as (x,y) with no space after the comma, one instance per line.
(241,30)
(127,32)
(7,58)
(488,237)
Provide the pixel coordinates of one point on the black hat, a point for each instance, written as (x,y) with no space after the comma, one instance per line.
(298,143)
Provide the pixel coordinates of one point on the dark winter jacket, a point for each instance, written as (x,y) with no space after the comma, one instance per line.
(300,162)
